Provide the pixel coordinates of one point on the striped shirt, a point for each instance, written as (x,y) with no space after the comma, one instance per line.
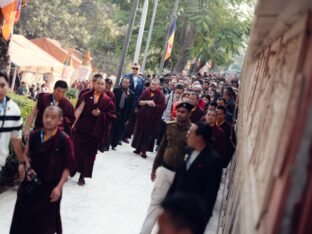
(10,128)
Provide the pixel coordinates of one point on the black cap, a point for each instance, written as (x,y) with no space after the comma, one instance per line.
(185,105)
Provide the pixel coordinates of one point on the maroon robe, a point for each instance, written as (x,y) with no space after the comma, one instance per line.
(45,100)
(105,143)
(90,130)
(111,95)
(219,141)
(147,121)
(34,213)
(83,91)
(197,115)
(230,134)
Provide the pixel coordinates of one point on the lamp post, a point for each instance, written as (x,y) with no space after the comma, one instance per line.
(141,32)
(149,38)
(127,40)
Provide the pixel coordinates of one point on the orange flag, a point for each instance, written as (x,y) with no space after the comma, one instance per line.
(8,8)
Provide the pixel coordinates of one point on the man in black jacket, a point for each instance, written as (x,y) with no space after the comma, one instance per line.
(202,171)
(123,106)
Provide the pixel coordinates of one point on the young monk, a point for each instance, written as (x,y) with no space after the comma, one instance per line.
(57,98)
(49,157)
(95,112)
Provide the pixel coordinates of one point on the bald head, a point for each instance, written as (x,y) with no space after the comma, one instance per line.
(52,117)
(55,109)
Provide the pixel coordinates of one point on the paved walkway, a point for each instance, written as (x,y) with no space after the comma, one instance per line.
(114,201)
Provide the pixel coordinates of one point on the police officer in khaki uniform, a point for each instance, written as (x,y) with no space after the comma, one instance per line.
(170,156)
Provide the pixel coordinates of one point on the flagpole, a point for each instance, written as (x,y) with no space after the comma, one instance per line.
(127,40)
(173,16)
(149,38)
(141,32)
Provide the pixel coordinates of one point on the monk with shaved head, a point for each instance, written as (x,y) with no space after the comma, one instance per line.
(150,108)
(49,157)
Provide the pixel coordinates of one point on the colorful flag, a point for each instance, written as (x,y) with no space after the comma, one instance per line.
(171,33)
(18,11)
(7,7)
(7,27)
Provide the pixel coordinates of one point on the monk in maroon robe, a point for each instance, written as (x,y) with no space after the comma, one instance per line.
(49,157)
(229,132)
(150,108)
(218,135)
(105,143)
(197,112)
(108,89)
(57,98)
(93,81)
(95,112)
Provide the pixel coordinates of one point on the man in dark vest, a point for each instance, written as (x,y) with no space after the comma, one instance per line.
(124,99)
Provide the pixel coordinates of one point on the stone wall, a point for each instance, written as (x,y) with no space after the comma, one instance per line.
(273,88)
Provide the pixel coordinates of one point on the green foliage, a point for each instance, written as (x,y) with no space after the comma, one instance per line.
(25,104)
(4,54)
(207,29)
(71,93)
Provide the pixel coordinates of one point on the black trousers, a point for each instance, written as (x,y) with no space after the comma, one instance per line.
(130,126)
(118,129)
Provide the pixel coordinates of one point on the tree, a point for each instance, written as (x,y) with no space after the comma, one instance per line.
(212,29)
(206,29)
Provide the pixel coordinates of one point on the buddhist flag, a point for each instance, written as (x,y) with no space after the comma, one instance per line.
(18,11)
(170,39)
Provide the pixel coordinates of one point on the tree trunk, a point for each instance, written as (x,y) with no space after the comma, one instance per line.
(187,41)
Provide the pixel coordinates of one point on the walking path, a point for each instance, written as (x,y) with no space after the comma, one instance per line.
(114,201)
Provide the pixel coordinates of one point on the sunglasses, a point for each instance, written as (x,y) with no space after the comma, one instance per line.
(2,85)
(135,68)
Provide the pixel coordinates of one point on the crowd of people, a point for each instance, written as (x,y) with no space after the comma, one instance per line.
(188,120)
(32,91)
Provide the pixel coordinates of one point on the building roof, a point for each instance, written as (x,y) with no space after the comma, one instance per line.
(29,57)
(54,48)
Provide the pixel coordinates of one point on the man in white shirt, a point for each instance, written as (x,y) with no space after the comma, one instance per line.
(10,127)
